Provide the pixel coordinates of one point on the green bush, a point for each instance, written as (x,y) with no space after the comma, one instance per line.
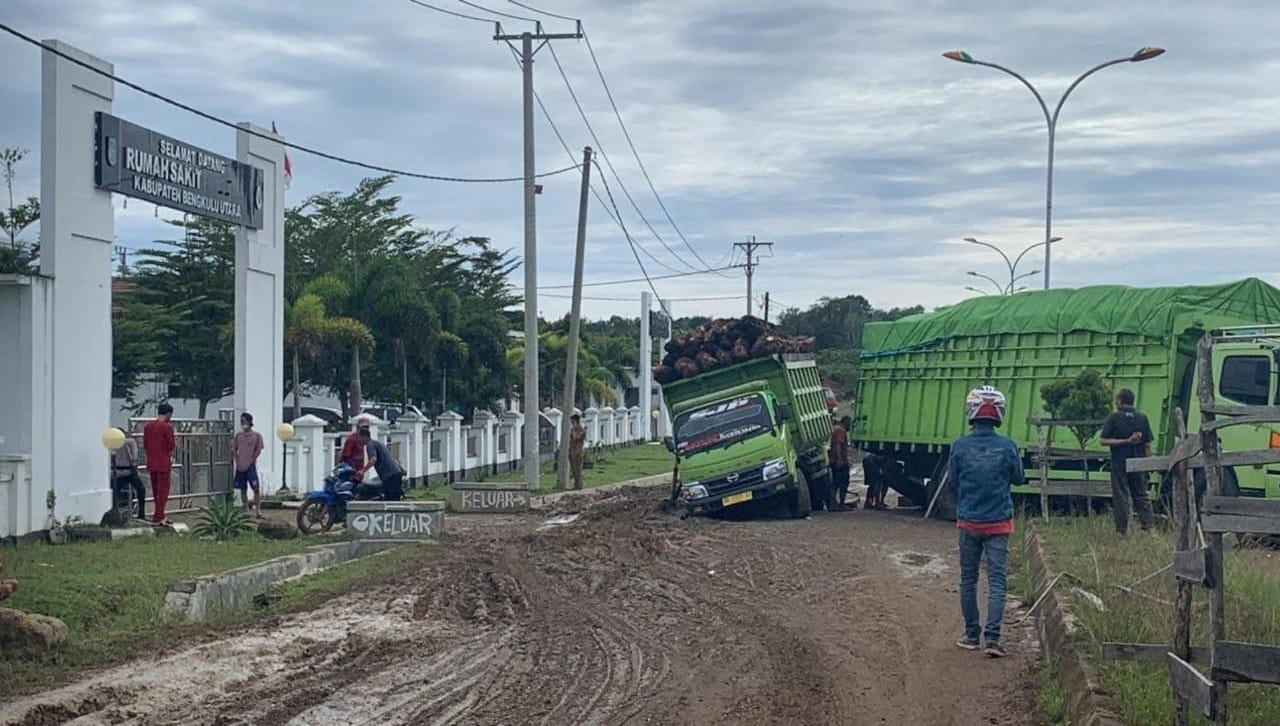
(222,519)
(1084,398)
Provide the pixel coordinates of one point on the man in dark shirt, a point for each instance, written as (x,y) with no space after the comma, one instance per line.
(390,473)
(1128,433)
(838,460)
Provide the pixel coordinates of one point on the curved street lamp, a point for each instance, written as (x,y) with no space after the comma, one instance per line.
(1012,265)
(1142,54)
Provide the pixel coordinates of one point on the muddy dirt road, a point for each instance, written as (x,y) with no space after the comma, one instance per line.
(623,616)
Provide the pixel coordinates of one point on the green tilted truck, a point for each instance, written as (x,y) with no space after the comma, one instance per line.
(917,370)
(750,431)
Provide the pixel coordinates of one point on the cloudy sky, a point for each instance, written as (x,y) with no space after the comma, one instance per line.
(833,129)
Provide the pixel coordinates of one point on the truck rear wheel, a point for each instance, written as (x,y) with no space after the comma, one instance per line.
(799,505)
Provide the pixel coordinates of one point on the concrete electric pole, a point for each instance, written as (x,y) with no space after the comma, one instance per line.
(530,397)
(575,321)
(646,367)
(750,247)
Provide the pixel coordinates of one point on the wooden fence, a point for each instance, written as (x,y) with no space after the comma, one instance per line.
(1044,454)
(1198,563)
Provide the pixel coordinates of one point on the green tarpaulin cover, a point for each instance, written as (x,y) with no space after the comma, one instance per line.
(1153,311)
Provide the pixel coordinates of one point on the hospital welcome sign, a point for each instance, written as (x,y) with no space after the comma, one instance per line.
(143,164)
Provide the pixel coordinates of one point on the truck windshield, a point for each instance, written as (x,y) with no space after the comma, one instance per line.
(721,424)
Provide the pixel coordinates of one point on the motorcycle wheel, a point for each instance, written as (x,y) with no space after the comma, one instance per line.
(314,517)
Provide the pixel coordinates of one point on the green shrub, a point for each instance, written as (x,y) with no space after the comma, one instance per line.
(222,519)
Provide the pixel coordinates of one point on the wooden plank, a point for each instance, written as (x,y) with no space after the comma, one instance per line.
(1242,515)
(1189,566)
(1246,506)
(1191,685)
(1228,458)
(1067,454)
(1271,412)
(1212,448)
(1065,422)
(1222,423)
(1070,488)
(1147,652)
(1247,662)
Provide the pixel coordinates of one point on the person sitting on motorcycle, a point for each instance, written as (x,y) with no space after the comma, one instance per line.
(353,449)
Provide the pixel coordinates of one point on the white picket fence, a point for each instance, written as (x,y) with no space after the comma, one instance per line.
(446,450)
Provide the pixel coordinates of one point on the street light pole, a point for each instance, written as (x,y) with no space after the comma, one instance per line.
(1012,265)
(1051,120)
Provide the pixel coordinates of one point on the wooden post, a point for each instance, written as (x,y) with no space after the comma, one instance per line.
(1047,445)
(1213,477)
(1182,614)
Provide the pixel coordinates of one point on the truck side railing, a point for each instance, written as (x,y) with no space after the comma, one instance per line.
(1202,566)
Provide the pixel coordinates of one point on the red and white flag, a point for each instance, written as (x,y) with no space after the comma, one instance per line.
(288,164)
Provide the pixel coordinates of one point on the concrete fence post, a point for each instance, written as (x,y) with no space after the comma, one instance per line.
(415,457)
(591,421)
(310,467)
(485,422)
(451,425)
(606,426)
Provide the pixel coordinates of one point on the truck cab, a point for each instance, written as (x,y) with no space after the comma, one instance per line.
(1246,365)
(732,447)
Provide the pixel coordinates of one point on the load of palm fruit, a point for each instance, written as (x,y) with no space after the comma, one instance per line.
(722,343)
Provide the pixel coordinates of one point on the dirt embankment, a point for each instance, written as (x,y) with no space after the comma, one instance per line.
(622,616)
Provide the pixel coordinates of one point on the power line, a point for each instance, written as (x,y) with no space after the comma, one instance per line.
(289,145)
(608,162)
(634,280)
(627,134)
(498,12)
(617,220)
(632,299)
(429,6)
(530,8)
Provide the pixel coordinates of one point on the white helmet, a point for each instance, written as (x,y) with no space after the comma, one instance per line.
(984,402)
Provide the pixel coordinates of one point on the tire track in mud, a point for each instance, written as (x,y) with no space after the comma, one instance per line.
(626,615)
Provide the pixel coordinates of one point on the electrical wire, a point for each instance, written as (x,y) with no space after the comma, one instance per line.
(633,280)
(468,3)
(269,137)
(627,134)
(600,147)
(632,299)
(429,6)
(530,8)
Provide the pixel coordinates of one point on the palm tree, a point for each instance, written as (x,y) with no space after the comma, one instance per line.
(313,334)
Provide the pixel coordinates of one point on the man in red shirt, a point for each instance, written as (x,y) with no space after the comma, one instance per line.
(159,442)
(353,449)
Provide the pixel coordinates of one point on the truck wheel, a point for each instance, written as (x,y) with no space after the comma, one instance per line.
(944,507)
(799,505)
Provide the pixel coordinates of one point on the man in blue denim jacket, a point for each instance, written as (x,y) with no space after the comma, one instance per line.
(983,467)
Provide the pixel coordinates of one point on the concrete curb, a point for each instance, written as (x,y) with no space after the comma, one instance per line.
(1088,703)
(203,597)
(545,500)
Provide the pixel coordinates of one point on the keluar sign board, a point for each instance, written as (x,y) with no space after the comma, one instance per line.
(141,163)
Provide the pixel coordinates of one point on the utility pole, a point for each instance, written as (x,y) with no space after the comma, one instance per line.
(766,307)
(530,398)
(750,247)
(645,367)
(664,421)
(575,320)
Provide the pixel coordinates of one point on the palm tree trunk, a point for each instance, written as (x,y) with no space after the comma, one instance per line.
(297,399)
(357,393)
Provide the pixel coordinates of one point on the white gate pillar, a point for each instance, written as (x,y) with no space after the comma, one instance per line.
(77,230)
(259,317)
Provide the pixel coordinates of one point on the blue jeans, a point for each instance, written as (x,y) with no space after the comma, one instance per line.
(972,548)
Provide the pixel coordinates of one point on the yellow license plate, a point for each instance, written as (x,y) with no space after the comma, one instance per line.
(736,498)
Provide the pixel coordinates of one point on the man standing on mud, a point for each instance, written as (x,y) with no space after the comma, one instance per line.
(838,460)
(159,442)
(1128,432)
(984,466)
(577,442)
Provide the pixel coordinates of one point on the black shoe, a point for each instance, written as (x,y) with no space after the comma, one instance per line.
(994,649)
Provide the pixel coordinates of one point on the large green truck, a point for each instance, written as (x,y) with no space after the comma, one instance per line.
(917,370)
(750,431)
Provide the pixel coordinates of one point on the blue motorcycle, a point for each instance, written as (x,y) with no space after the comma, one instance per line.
(324,508)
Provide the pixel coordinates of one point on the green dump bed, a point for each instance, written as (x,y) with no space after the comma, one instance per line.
(792,379)
(916,371)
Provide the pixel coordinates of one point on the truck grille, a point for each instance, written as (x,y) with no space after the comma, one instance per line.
(732,482)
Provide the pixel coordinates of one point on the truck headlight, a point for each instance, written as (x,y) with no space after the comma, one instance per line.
(694,490)
(774,469)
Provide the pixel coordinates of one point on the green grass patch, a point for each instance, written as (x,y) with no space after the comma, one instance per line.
(606,467)
(111,595)
(1089,550)
(1051,696)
